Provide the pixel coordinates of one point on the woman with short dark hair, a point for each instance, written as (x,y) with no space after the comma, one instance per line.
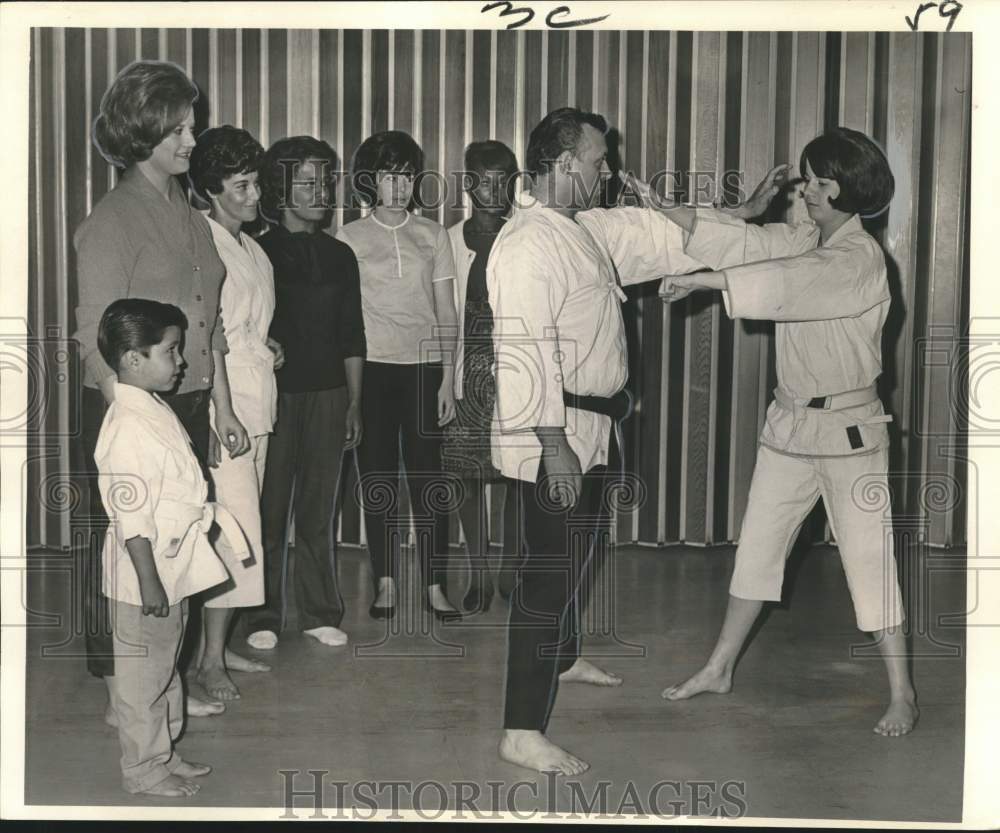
(143,239)
(224,166)
(407,271)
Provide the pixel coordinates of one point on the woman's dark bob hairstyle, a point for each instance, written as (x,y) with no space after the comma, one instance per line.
(222,152)
(144,103)
(390,150)
(278,168)
(857,164)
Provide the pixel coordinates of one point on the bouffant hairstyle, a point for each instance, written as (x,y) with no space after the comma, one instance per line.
(144,103)
(857,164)
(559,131)
(222,152)
(277,170)
(390,150)
(135,324)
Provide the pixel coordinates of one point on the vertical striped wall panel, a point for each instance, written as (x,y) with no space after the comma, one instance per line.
(684,102)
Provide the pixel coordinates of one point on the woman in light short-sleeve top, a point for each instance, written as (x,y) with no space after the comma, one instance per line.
(407,274)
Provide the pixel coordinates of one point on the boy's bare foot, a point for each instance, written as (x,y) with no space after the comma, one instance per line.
(263,640)
(235,662)
(707,680)
(216,683)
(898,719)
(173,786)
(203,708)
(189,769)
(328,635)
(531,749)
(583,671)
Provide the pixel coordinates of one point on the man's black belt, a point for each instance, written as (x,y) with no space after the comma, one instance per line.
(618,407)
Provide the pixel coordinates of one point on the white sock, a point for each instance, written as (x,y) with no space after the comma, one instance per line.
(262,640)
(328,635)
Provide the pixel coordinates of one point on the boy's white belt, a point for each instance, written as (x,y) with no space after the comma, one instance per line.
(835,402)
(200,518)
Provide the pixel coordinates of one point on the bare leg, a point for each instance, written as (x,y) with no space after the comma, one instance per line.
(212,672)
(717,675)
(902,713)
(531,749)
(472,514)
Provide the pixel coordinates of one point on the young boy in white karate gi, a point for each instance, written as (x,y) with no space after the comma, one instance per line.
(156,552)
(825,433)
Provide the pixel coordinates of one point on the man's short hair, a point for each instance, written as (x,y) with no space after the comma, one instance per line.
(135,324)
(559,131)
(387,151)
(222,152)
(857,164)
(279,167)
(144,103)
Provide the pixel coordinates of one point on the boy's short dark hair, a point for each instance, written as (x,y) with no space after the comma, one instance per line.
(135,324)
(280,164)
(389,150)
(559,131)
(222,152)
(857,164)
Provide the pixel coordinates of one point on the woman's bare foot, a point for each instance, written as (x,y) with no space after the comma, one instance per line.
(709,680)
(899,719)
(173,786)
(235,662)
(531,749)
(189,769)
(216,683)
(197,707)
(583,671)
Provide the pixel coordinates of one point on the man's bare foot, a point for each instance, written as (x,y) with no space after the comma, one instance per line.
(197,707)
(263,640)
(707,680)
(173,786)
(899,719)
(235,662)
(216,683)
(189,769)
(531,749)
(583,671)
(328,635)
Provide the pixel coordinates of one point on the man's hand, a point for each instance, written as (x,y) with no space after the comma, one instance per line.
(279,353)
(352,437)
(676,288)
(765,191)
(154,597)
(562,468)
(446,400)
(231,432)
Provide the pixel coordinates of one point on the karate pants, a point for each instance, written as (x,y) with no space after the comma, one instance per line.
(855,493)
(543,630)
(238,484)
(145,692)
(301,474)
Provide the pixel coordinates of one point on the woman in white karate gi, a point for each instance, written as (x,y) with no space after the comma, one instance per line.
(224,173)
(824,284)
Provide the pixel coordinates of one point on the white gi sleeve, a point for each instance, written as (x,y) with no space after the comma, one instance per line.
(720,240)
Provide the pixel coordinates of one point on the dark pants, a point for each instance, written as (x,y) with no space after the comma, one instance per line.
(400,407)
(192,410)
(543,632)
(301,475)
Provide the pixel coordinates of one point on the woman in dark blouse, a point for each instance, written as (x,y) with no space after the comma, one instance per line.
(319,323)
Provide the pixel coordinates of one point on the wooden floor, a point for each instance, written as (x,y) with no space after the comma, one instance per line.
(793,740)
